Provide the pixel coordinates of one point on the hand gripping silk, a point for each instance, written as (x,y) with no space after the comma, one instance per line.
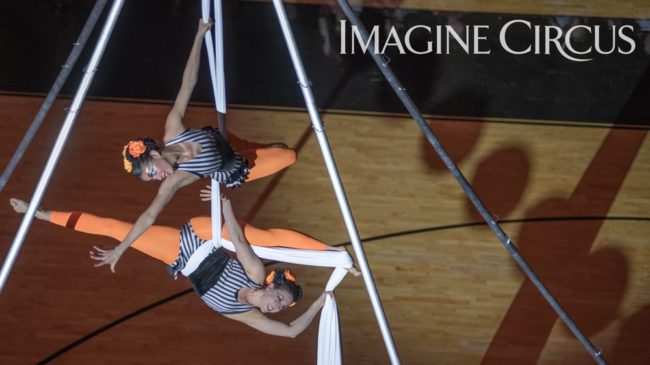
(215,53)
(329,344)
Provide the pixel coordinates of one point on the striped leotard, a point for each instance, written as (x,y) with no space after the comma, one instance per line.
(227,275)
(217,158)
(162,243)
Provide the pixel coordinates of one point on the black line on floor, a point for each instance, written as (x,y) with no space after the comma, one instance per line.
(113,324)
(110,325)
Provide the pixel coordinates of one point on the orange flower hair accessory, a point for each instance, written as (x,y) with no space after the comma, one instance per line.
(288,275)
(270,277)
(136,148)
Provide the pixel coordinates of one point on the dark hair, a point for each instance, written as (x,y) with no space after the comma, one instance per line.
(281,281)
(134,164)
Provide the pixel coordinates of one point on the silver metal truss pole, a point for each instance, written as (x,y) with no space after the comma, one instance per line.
(78,46)
(462,181)
(336,183)
(77,101)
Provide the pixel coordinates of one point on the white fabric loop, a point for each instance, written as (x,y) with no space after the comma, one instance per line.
(215,53)
(215,210)
(329,344)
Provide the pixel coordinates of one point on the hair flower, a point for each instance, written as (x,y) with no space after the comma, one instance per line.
(270,277)
(289,275)
(136,148)
(285,274)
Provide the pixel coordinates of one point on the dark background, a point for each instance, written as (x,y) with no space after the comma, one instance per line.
(148,49)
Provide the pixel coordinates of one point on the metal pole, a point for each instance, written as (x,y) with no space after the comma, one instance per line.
(478,204)
(336,183)
(60,141)
(77,47)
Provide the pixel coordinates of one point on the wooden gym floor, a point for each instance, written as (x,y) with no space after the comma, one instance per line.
(573,198)
(577,197)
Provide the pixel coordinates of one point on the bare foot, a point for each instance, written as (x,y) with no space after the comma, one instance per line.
(20,206)
(353,270)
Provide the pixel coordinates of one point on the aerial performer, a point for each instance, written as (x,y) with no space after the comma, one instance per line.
(191,154)
(236,287)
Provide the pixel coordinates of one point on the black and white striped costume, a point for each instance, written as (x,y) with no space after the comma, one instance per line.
(217,158)
(226,275)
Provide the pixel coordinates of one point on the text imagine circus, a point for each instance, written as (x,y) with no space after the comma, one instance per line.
(544,39)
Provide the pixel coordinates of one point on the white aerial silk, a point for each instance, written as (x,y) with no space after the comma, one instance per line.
(215,53)
(329,344)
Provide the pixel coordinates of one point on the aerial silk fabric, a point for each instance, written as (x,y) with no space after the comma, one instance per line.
(215,53)
(329,344)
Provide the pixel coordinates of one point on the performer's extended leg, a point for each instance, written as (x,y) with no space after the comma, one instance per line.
(261,237)
(263,160)
(159,242)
